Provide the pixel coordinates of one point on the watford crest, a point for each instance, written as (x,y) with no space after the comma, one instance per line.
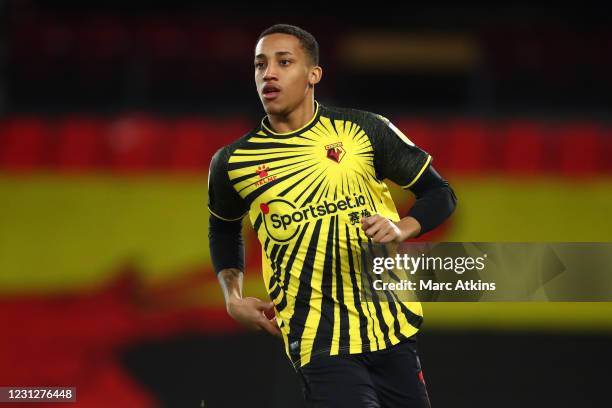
(335,152)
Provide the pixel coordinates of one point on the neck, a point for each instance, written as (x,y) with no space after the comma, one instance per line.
(295,119)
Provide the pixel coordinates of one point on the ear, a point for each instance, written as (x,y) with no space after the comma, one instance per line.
(314,77)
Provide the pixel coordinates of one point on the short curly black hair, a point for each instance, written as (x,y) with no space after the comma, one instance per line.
(307,40)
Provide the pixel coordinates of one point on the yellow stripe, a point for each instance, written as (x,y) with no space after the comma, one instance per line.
(226,219)
(292,131)
(418,174)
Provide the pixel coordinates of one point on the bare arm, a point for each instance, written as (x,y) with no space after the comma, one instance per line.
(249,311)
(231,283)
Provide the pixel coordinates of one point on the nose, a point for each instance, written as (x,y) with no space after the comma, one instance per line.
(270,73)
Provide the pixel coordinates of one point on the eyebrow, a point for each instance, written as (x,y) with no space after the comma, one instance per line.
(278,53)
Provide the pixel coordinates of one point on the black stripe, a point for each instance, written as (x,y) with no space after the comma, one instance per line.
(391,300)
(302,300)
(237,180)
(268,145)
(241,165)
(276,291)
(255,152)
(376,300)
(258,222)
(363,321)
(311,196)
(304,167)
(323,192)
(276,257)
(272,255)
(333,123)
(292,186)
(266,245)
(325,330)
(344,324)
(279,259)
(414,319)
(270,135)
(290,261)
(361,266)
(282,304)
(370,197)
(251,196)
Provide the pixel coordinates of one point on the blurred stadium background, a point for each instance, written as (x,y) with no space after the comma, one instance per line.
(110,112)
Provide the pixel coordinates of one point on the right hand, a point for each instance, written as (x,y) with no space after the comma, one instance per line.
(251,312)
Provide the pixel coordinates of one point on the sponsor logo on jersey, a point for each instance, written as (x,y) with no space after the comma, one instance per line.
(283,220)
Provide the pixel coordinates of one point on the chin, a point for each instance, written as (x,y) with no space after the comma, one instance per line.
(274,108)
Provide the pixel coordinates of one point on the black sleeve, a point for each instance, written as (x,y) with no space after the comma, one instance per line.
(224,202)
(395,156)
(225,243)
(435,200)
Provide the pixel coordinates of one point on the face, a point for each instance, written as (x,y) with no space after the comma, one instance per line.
(284,75)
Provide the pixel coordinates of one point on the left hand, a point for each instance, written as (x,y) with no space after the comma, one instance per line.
(381,229)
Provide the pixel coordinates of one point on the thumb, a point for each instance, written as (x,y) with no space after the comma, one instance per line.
(269,310)
(260,304)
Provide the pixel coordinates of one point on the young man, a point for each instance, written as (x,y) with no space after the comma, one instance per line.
(311,179)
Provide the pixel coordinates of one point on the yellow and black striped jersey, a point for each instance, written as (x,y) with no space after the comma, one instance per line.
(305,192)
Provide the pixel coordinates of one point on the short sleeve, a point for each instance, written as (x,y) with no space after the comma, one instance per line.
(396,157)
(224,202)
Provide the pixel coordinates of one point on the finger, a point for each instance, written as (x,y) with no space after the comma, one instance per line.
(372,228)
(381,234)
(368,221)
(387,238)
(269,311)
(260,304)
(270,326)
(376,227)
(265,306)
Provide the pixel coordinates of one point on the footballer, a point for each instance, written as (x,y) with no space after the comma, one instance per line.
(311,179)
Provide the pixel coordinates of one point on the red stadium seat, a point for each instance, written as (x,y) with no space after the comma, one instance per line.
(136,143)
(469,144)
(191,147)
(80,144)
(23,144)
(580,148)
(228,131)
(606,150)
(522,148)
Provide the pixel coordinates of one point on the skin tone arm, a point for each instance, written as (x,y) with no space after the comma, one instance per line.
(383,230)
(249,311)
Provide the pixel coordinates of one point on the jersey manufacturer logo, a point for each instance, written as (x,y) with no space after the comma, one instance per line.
(264,178)
(335,151)
(262,171)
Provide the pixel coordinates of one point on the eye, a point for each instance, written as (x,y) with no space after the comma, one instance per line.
(258,65)
(285,62)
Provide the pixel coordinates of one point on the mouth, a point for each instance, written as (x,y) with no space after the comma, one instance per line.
(270,91)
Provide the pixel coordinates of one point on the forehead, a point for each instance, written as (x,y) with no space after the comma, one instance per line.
(271,44)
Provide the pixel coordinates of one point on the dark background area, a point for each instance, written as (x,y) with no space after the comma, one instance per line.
(467,369)
(194,57)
